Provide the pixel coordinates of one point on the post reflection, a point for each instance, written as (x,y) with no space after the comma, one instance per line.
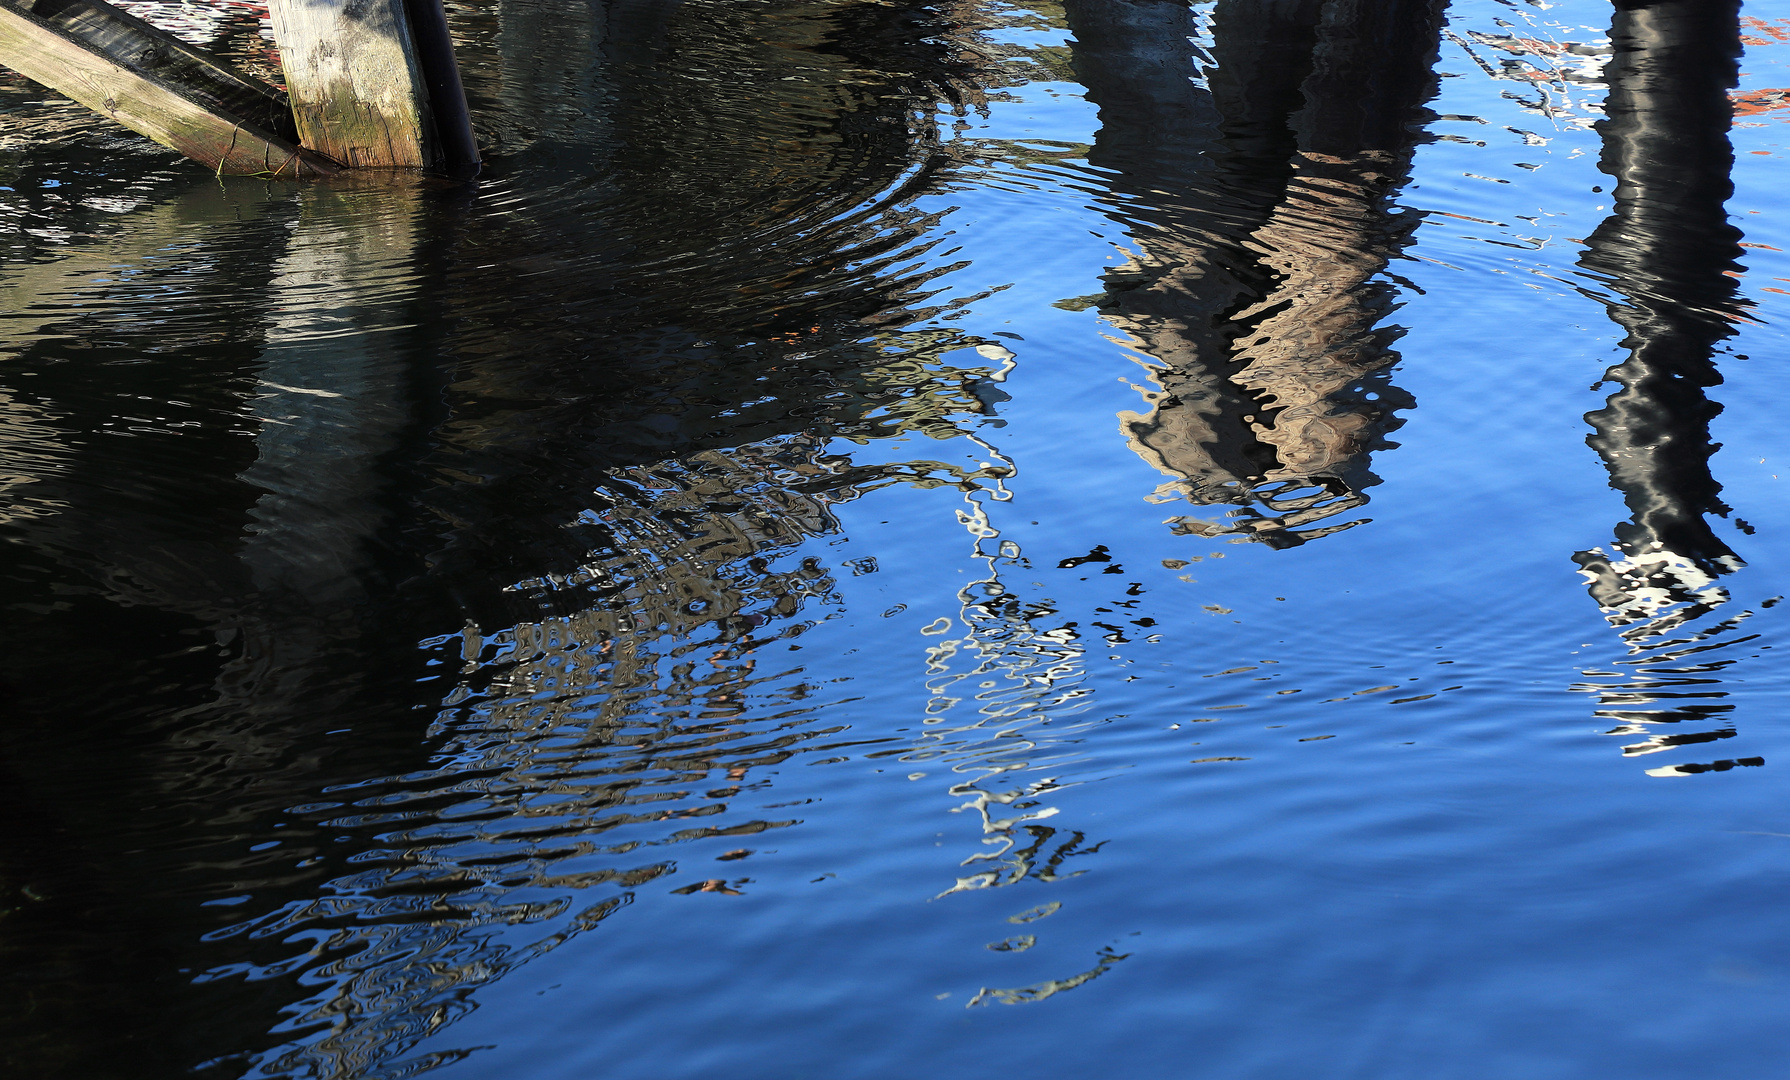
(588,418)
(1670,255)
(1261,209)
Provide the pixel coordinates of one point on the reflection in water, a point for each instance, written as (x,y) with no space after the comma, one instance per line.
(717,271)
(1000,692)
(1557,82)
(1668,252)
(588,413)
(577,431)
(1261,205)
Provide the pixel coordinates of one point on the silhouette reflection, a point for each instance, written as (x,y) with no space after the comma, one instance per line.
(1669,254)
(1261,208)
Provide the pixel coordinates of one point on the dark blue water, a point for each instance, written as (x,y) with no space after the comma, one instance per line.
(1239,541)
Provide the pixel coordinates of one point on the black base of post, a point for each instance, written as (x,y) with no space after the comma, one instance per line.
(447,97)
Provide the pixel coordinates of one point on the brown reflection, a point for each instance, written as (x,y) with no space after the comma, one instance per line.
(1669,254)
(1261,210)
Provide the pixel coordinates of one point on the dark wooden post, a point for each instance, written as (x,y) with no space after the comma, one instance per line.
(447,96)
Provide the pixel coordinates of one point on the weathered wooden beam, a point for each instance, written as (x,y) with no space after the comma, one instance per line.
(149,50)
(357,88)
(144,102)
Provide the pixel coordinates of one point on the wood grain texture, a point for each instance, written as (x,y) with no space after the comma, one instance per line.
(149,50)
(221,142)
(356,88)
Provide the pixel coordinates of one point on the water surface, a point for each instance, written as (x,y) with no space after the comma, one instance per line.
(1238,540)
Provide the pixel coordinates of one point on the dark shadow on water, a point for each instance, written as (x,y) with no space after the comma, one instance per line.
(268,439)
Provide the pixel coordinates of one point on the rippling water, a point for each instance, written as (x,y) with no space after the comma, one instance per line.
(1224,541)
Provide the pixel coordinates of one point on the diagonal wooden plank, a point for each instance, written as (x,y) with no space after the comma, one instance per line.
(216,139)
(149,50)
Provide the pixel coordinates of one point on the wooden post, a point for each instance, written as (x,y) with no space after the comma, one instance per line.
(148,91)
(359,85)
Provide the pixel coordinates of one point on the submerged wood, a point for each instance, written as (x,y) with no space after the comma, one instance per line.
(145,102)
(357,89)
(148,50)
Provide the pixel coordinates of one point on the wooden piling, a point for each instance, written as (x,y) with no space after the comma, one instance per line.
(147,90)
(360,87)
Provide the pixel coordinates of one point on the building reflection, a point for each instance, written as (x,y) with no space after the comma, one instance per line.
(1261,208)
(1670,257)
